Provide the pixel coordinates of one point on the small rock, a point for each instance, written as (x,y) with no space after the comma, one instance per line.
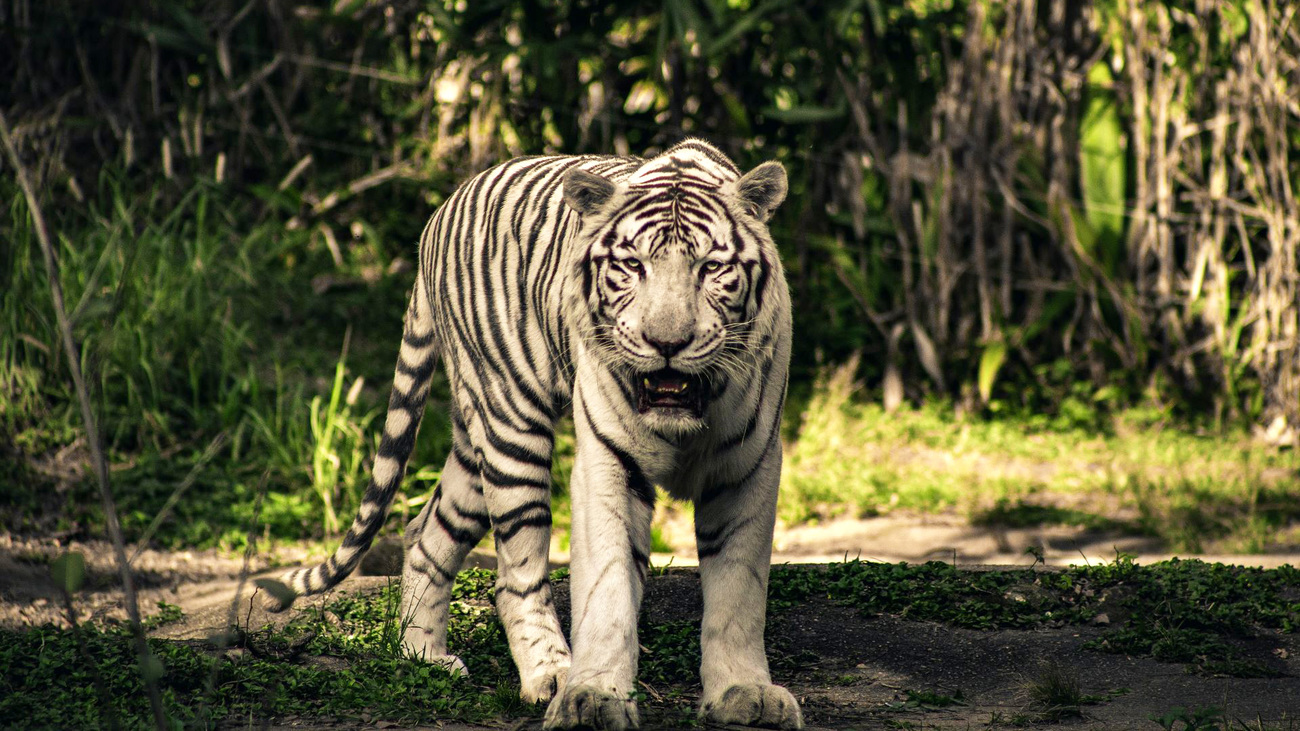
(1101,619)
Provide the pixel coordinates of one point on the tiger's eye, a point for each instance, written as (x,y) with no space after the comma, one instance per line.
(633,265)
(712,266)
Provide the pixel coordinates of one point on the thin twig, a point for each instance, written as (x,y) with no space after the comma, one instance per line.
(92,430)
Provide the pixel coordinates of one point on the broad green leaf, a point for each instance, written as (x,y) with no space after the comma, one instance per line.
(1102,166)
(722,43)
(151,668)
(69,571)
(736,109)
(804,114)
(645,96)
(990,363)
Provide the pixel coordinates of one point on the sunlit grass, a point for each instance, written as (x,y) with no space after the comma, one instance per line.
(197,319)
(1197,491)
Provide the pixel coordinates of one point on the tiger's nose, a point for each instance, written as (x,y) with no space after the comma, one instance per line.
(668,348)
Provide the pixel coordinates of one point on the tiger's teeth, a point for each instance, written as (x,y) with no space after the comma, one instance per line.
(645,382)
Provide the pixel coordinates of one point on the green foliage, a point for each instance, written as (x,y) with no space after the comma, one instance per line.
(994,355)
(360,119)
(339,441)
(1101,170)
(197,327)
(167,614)
(358,668)
(68,571)
(1209,718)
(672,651)
(50,686)
(480,584)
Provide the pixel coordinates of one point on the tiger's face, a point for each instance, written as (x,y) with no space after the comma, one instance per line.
(675,272)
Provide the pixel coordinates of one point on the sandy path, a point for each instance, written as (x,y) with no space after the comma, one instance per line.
(204,581)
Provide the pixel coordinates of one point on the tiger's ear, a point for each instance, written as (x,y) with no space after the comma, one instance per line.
(587,192)
(762,189)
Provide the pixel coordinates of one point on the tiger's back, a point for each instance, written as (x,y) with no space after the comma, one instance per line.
(493,259)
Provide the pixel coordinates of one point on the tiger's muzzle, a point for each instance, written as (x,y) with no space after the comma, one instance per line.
(668,391)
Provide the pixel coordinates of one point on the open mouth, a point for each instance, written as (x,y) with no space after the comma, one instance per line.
(669,389)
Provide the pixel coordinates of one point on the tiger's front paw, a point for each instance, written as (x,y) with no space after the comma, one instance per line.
(418,645)
(451,663)
(545,680)
(753,704)
(585,706)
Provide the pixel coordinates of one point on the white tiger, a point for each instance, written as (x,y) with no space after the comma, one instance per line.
(648,295)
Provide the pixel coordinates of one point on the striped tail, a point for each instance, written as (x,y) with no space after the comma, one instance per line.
(405,408)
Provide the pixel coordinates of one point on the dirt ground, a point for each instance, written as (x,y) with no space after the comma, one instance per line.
(853,671)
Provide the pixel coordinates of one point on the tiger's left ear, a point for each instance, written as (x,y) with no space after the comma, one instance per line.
(762,189)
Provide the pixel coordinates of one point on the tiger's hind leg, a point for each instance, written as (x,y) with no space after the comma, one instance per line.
(437,542)
(516,470)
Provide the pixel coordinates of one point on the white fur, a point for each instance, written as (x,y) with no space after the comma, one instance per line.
(695,249)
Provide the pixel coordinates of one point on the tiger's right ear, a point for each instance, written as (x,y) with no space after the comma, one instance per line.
(587,192)
(762,189)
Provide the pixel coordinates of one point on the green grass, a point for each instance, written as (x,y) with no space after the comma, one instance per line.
(1055,691)
(340,660)
(197,317)
(343,659)
(1196,488)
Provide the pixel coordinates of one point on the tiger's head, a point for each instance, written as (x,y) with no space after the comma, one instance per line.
(680,282)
